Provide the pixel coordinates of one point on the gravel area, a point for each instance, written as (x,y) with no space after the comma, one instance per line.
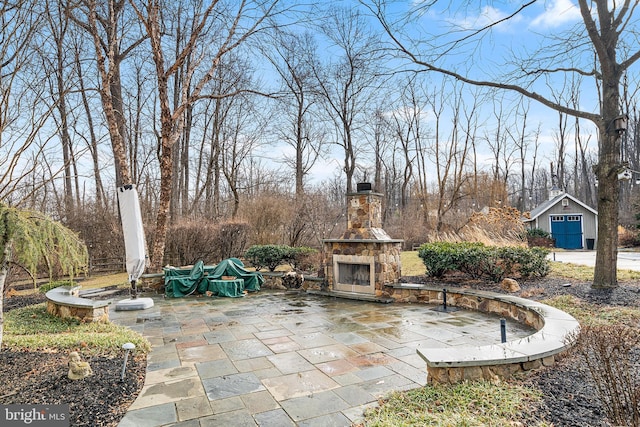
(569,394)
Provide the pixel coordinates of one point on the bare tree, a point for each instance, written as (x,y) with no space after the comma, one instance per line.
(24,112)
(240,136)
(503,151)
(92,140)
(521,141)
(201,54)
(611,32)
(406,127)
(114,38)
(450,152)
(293,58)
(346,86)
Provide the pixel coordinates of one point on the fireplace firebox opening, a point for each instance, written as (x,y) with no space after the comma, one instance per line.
(354,273)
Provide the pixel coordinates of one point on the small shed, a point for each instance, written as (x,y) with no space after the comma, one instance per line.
(570,222)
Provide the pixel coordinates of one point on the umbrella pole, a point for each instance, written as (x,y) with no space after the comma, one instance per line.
(134,291)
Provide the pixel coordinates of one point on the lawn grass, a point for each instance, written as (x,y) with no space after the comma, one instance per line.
(89,282)
(105,280)
(469,404)
(412,265)
(594,315)
(32,328)
(585,273)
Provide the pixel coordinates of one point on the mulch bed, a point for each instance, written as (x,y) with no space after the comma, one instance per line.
(100,399)
(40,378)
(569,394)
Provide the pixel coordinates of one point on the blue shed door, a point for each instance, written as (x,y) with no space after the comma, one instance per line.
(567,230)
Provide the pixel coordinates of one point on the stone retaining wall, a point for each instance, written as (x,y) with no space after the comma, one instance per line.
(556,331)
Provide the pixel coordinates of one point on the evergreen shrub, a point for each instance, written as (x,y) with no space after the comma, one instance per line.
(271,256)
(480,261)
(537,232)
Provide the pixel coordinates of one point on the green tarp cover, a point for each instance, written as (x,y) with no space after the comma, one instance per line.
(222,288)
(234,267)
(180,282)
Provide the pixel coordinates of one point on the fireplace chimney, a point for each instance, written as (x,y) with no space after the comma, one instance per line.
(364,215)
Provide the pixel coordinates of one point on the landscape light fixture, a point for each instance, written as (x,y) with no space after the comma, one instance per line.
(127,347)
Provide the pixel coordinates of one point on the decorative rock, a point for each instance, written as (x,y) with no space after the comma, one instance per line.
(292,280)
(534,364)
(473,373)
(509,285)
(77,368)
(456,375)
(437,375)
(505,371)
(549,361)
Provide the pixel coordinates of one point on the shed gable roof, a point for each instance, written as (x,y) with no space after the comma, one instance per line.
(548,204)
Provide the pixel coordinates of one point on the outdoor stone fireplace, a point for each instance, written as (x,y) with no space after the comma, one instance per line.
(364,258)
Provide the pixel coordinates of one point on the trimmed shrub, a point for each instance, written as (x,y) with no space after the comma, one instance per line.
(271,256)
(301,257)
(267,256)
(537,232)
(441,257)
(539,237)
(480,261)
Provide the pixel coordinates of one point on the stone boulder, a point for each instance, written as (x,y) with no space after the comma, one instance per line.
(292,280)
(509,285)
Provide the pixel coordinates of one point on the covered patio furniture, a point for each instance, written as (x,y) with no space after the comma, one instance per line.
(233,288)
(227,279)
(233,267)
(181,282)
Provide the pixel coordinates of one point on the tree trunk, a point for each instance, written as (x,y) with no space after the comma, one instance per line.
(299,148)
(120,140)
(3,278)
(605,273)
(164,204)
(4,262)
(93,140)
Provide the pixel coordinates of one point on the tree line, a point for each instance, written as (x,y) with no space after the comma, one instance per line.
(228,111)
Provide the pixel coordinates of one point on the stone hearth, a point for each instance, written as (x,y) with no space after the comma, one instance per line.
(365,257)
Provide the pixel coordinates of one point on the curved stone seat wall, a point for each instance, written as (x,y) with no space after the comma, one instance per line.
(555,332)
(64,302)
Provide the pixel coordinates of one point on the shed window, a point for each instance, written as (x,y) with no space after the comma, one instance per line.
(557,218)
(573,218)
